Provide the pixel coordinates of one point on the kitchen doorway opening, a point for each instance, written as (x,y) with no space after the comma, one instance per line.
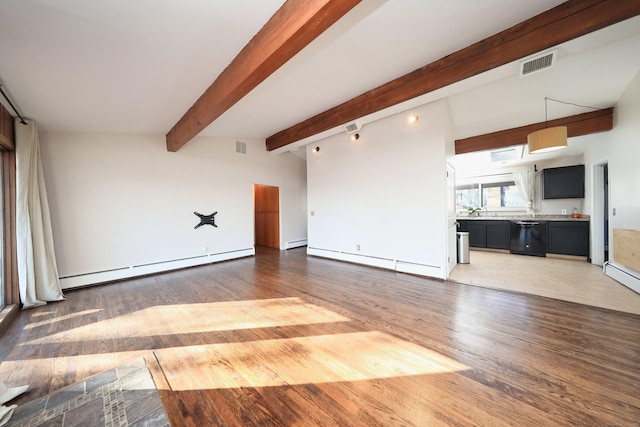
(266,202)
(600,214)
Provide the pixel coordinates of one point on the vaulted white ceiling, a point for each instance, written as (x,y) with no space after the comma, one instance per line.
(136,66)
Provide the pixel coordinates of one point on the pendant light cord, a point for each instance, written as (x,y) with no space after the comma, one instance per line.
(12,106)
(567,103)
(563,102)
(545,111)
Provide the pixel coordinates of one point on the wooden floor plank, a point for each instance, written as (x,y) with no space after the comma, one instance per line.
(286,339)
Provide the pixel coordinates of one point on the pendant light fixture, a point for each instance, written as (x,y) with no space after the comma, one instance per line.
(547,139)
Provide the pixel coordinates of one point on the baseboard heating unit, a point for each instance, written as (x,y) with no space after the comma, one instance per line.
(110,275)
(295,243)
(627,277)
(372,261)
(380,262)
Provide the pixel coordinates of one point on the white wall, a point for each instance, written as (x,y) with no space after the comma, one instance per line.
(624,165)
(385,193)
(596,154)
(624,168)
(122,205)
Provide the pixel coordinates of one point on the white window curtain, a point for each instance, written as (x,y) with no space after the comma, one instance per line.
(526,184)
(37,269)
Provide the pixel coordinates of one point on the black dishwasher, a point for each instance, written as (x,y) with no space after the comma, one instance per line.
(529,237)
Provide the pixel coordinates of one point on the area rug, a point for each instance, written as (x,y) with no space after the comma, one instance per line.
(123,396)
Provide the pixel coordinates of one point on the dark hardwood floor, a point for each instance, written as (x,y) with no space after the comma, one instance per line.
(286,339)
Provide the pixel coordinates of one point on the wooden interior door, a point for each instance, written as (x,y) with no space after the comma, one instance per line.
(267,215)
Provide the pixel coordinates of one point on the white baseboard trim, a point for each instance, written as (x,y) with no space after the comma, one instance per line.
(626,276)
(295,243)
(110,275)
(386,263)
(420,269)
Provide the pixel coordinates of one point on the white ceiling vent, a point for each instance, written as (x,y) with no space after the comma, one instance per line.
(537,63)
(353,127)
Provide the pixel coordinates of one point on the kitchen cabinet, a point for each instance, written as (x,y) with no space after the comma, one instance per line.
(477,234)
(498,236)
(493,234)
(568,238)
(563,183)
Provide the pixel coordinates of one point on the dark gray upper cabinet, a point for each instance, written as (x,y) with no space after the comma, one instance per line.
(563,183)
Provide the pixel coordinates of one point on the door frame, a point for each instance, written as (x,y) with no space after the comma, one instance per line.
(597,211)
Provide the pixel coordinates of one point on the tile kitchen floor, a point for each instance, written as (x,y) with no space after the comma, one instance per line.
(568,280)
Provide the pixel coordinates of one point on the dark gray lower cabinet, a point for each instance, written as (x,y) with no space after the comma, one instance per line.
(498,236)
(563,237)
(568,238)
(484,233)
(477,234)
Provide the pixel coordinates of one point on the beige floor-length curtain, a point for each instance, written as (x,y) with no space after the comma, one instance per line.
(37,269)
(526,183)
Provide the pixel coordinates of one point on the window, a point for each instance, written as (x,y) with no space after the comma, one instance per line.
(502,195)
(9,293)
(1,245)
(467,196)
(495,195)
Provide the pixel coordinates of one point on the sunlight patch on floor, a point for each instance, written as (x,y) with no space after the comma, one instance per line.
(316,359)
(81,366)
(332,353)
(198,318)
(58,319)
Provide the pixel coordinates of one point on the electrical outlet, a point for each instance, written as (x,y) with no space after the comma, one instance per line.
(313,213)
(357,247)
(564,211)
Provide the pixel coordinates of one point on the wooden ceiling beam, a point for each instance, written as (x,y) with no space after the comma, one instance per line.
(565,22)
(295,25)
(578,125)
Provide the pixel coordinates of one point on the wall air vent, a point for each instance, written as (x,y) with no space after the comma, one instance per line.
(353,127)
(537,63)
(241,147)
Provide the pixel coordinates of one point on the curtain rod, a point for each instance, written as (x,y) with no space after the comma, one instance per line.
(11,104)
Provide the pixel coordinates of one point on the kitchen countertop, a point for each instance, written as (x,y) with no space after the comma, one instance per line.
(490,216)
